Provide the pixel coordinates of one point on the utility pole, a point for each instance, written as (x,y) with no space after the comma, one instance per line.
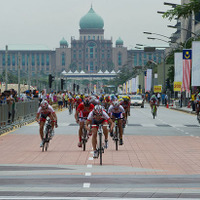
(19,62)
(6,68)
(29,70)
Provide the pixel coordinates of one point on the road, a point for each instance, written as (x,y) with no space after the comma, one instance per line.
(159,159)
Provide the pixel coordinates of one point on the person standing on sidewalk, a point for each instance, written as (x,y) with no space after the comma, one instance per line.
(193,101)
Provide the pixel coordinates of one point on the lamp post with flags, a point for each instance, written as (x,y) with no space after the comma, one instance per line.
(187,64)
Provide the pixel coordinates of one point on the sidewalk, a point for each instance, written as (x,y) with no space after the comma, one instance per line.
(183,109)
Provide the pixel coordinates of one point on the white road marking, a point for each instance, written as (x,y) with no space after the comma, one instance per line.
(89,166)
(86,185)
(91,158)
(88,174)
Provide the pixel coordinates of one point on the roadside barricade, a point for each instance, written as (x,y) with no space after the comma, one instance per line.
(22,113)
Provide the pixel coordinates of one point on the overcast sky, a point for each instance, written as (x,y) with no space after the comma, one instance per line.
(47,21)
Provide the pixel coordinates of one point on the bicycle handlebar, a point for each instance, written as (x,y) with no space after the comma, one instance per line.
(94,125)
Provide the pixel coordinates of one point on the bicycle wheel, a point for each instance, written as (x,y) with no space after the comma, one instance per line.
(100,147)
(84,139)
(154,112)
(116,138)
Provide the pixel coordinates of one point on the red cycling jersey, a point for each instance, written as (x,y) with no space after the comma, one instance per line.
(125,105)
(83,110)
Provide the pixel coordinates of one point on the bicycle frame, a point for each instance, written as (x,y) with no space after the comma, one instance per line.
(84,134)
(100,147)
(46,138)
(116,134)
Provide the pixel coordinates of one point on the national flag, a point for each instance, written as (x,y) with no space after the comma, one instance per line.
(187,63)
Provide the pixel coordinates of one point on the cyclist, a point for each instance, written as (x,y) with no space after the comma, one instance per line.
(106,103)
(44,111)
(197,103)
(82,110)
(70,102)
(94,100)
(153,101)
(77,101)
(126,105)
(96,117)
(117,111)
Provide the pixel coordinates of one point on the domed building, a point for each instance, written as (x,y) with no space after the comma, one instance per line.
(92,52)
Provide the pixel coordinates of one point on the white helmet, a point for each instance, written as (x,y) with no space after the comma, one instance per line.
(115,104)
(44,104)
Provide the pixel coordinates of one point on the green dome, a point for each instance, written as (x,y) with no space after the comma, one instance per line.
(63,42)
(91,20)
(119,41)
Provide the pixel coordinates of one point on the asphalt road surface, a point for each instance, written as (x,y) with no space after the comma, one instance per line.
(160,158)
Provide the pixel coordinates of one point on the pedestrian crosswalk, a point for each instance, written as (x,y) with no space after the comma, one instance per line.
(161,125)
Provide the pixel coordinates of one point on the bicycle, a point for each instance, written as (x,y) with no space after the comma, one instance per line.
(100,148)
(154,111)
(116,134)
(84,134)
(198,113)
(70,108)
(47,135)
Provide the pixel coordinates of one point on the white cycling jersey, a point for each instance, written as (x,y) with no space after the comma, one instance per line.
(45,112)
(120,109)
(92,116)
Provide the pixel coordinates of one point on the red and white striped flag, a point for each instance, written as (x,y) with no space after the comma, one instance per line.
(187,63)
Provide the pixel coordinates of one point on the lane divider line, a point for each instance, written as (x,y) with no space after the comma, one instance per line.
(86,185)
(88,174)
(89,166)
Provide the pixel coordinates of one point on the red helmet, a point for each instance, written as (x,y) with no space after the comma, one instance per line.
(44,104)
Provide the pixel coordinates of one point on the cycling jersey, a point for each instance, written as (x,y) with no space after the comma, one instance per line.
(78,101)
(92,116)
(125,105)
(45,112)
(83,110)
(120,109)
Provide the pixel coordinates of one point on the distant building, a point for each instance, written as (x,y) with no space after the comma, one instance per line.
(90,53)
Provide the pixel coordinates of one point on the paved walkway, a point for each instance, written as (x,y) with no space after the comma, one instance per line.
(163,155)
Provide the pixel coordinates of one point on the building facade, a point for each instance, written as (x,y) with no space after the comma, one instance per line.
(90,53)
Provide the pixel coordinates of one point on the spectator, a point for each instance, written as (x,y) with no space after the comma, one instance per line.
(166,100)
(42,96)
(159,97)
(60,100)
(163,98)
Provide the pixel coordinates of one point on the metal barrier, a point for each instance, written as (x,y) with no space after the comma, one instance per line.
(17,114)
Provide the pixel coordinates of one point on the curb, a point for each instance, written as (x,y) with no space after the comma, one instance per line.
(186,111)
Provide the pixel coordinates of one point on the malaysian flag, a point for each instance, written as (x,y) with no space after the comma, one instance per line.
(187,63)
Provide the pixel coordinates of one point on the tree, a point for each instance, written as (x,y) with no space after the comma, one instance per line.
(184,10)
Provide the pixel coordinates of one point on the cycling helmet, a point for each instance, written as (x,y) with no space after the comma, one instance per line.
(44,104)
(98,110)
(77,97)
(87,102)
(115,104)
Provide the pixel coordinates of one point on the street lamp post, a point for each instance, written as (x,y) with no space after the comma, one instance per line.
(29,69)
(6,68)
(170,26)
(19,62)
(149,33)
